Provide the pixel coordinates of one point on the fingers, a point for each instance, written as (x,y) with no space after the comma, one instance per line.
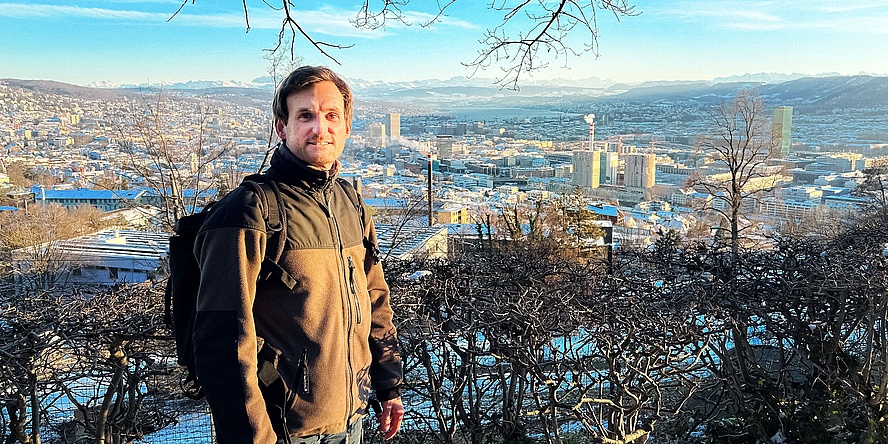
(397,416)
(384,417)
(390,418)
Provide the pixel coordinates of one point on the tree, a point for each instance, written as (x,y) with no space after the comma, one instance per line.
(102,352)
(30,239)
(741,148)
(522,343)
(16,174)
(110,183)
(174,167)
(874,186)
(518,45)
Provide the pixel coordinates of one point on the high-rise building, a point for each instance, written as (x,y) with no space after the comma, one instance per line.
(781,130)
(393,126)
(444,146)
(610,165)
(586,168)
(640,170)
(376,134)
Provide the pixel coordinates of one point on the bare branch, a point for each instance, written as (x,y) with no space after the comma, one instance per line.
(518,45)
(184,2)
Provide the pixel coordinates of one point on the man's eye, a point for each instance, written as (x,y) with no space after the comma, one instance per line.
(332,116)
(305,116)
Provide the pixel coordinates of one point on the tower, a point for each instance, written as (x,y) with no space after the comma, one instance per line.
(393,126)
(781,130)
(590,119)
(610,162)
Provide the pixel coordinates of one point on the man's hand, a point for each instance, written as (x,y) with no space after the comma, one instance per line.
(390,418)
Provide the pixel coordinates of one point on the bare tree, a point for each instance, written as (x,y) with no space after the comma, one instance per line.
(30,241)
(529,31)
(102,353)
(875,186)
(523,341)
(742,147)
(516,53)
(174,167)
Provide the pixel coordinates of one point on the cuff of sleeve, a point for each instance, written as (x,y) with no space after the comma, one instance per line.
(388,394)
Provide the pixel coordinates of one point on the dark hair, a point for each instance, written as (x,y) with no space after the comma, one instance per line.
(304,77)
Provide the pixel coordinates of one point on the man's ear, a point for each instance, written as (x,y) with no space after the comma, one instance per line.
(279,128)
(348,129)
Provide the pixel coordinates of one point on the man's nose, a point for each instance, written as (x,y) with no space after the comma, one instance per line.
(320,126)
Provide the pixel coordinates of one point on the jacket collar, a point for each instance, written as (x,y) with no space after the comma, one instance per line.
(287,168)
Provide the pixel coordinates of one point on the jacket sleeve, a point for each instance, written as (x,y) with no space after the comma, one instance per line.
(230,255)
(386,374)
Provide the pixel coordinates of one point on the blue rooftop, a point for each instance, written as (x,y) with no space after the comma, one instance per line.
(85,193)
(606,210)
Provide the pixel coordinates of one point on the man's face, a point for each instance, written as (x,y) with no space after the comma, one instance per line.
(316,127)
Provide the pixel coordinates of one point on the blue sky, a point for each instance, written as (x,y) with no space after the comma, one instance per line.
(131,41)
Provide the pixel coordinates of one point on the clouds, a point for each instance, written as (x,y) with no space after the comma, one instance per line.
(22,10)
(864,16)
(326,20)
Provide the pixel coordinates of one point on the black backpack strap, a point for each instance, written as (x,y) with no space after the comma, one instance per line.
(270,382)
(276,228)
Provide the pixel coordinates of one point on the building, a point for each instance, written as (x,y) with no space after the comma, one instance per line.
(586,169)
(453,214)
(376,134)
(786,208)
(393,126)
(105,200)
(781,130)
(444,146)
(640,170)
(107,257)
(405,242)
(610,167)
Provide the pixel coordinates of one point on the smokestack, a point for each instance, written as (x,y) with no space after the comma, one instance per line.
(590,119)
(431,221)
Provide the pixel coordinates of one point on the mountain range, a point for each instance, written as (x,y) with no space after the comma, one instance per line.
(819,93)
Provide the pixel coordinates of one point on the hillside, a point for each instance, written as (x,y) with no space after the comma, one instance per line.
(815,94)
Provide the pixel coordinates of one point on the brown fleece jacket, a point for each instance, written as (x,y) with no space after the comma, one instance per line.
(333,330)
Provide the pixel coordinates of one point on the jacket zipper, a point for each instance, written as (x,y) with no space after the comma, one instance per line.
(350,374)
(354,289)
(303,367)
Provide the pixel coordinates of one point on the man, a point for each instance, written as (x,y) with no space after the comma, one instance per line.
(330,337)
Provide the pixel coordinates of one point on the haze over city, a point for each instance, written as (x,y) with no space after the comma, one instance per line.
(134,41)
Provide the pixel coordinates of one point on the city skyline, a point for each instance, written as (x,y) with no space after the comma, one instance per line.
(133,41)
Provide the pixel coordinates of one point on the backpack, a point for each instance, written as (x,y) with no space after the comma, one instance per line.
(184,282)
(180,306)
